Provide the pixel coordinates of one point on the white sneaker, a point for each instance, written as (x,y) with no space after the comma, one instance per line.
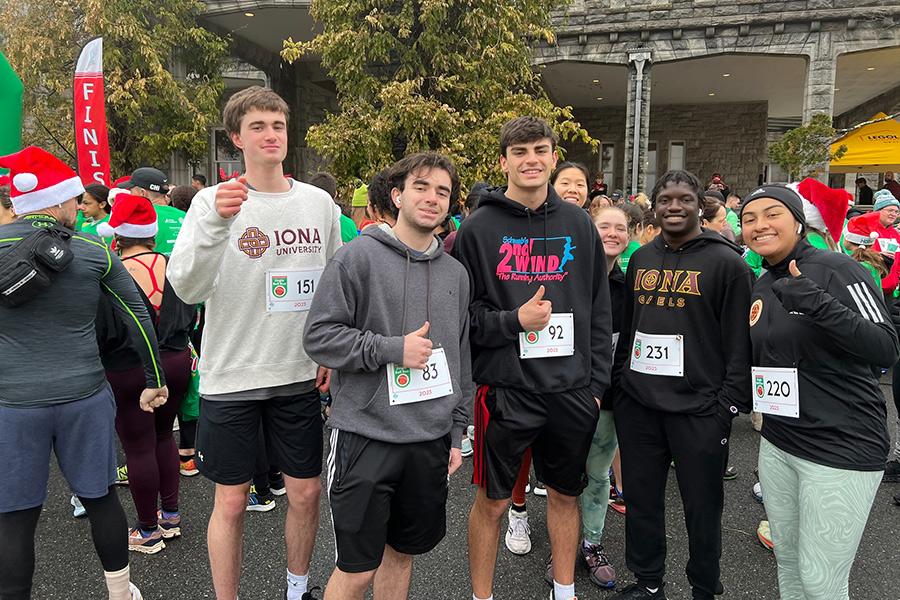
(539,489)
(466,448)
(518,533)
(470,432)
(135,592)
(79,510)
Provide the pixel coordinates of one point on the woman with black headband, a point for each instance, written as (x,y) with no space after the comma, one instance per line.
(820,334)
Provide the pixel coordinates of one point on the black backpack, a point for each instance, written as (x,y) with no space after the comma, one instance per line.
(27,268)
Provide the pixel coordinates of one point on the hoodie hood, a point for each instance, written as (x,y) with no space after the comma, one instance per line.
(497,197)
(703,240)
(385,234)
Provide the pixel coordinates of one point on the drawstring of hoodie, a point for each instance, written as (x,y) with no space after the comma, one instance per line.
(405,286)
(427,296)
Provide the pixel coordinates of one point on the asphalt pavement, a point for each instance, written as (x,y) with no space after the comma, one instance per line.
(68,569)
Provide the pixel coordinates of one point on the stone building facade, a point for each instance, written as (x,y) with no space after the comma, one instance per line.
(726,137)
(719,80)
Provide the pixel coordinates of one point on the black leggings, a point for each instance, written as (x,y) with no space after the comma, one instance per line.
(108,528)
(187,439)
(895,386)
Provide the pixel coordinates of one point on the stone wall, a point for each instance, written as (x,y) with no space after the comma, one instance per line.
(727,138)
(615,15)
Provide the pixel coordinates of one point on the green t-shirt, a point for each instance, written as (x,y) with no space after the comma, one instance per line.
(625,257)
(169,220)
(873,272)
(348,229)
(732,219)
(90,226)
(755,261)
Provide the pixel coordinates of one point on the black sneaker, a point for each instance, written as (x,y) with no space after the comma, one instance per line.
(276,484)
(639,592)
(891,472)
(897,499)
(730,473)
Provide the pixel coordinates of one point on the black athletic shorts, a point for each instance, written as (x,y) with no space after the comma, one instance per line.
(382,493)
(558,428)
(228,437)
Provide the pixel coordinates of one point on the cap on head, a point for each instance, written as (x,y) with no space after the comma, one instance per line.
(150,179)
(780,193)
(883,199)
(39,180)
(132,216)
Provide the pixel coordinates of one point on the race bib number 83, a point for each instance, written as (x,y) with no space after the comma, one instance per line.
(406,386)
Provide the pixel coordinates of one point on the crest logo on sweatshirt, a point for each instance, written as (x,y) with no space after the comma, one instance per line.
(253,242)
(535,259)
(755,311)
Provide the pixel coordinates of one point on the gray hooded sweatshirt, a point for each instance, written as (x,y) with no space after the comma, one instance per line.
(372,293)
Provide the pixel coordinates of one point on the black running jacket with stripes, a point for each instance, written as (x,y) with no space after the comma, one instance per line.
(831,324)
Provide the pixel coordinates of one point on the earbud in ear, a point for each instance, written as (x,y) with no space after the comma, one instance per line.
(800,228)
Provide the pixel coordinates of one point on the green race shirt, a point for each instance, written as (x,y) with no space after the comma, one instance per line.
(169,220)
(348,229)
(90,226)
(625,258)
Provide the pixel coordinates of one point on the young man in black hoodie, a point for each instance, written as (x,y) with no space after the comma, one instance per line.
(680,374)
(541,347)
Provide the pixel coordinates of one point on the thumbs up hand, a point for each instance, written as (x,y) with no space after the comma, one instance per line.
(230,195)
(534,315)
(792,267)
(417,348)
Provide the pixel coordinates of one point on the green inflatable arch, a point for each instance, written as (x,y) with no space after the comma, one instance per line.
(11,109)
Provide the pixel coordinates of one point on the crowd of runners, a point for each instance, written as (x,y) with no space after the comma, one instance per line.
(541,324)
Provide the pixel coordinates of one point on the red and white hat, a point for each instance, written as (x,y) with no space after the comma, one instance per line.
(39,180)
(862,230)
(824,207)
(132,216)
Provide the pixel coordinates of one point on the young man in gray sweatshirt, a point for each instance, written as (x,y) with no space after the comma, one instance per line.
(398,344)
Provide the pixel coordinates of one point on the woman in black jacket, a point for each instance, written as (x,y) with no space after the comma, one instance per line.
(820,334)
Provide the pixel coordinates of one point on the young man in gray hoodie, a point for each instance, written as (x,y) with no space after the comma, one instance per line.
(398,342)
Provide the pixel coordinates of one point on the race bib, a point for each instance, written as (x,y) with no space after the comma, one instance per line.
(775,391)
(658,354)
(406,386)
(291,290)
(889,245)
(556,339)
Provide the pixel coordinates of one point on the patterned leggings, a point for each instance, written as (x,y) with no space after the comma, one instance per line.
(595,497)
(817,515)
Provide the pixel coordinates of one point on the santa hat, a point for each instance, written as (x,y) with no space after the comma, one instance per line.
(132,216)
(4,180)
(862,230)
(39,180)
(825,207)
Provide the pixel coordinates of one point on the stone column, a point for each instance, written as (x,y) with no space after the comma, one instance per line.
(637,120)
(820,75)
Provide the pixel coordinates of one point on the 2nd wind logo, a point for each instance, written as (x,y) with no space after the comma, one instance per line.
(534,259)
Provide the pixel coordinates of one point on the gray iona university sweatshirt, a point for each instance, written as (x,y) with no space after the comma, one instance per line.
(373,292)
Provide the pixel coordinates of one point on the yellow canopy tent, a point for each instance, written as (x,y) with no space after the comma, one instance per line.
(874,148)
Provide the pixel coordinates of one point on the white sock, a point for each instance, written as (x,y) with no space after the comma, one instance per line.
(296,585)
(117,584)
(474,597)
(563,592)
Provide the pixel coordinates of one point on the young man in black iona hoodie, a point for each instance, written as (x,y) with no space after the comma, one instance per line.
(680,374)
(541,340)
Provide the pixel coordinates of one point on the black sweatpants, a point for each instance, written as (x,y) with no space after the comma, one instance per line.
(649,440)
